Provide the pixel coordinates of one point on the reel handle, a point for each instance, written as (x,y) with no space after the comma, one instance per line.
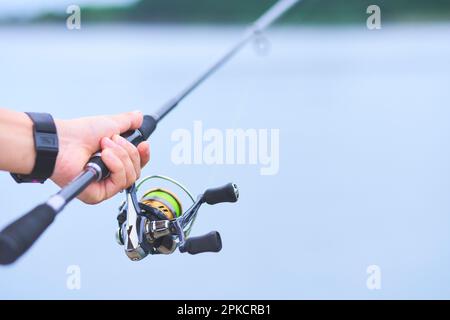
(210,242)
(134,136)
(226,193)
(20,235)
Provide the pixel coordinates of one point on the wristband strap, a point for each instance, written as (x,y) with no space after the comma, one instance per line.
(46,146)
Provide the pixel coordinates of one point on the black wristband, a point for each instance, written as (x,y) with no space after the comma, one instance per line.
(46,146)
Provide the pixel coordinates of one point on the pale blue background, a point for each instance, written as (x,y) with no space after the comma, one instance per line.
(365,163)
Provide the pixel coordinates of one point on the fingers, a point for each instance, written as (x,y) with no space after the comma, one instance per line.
(121,164)
(117,180)
(124,161)
(132,152)
(127,163)
(144,152)
(128,121)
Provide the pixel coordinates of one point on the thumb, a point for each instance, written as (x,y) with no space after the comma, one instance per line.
(128,121)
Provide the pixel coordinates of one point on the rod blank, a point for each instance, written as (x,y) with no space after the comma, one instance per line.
(273,14)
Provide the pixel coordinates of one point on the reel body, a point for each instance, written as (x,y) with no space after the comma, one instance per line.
(156,224)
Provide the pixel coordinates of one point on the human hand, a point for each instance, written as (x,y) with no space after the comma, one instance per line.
(80,138)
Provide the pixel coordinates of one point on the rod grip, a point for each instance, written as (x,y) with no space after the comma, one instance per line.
(20,235)
(210,242)
(134,136)
(148,126)
(226,193)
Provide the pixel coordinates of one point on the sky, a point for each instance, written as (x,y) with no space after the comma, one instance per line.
(26,8)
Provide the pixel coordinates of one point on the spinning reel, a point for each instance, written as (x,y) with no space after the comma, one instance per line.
(156,224)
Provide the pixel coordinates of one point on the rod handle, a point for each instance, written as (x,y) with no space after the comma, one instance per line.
(148,126)
(20,235)
(210,242)
(134,136)
(226,193)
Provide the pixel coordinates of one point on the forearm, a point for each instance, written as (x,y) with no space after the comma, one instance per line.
(17,152)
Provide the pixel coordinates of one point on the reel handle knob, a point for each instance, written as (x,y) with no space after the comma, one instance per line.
(226,193)
(210,242)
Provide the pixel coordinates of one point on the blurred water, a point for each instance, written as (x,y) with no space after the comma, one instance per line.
(364,172)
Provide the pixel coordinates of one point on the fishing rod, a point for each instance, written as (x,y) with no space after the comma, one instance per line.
(155,224)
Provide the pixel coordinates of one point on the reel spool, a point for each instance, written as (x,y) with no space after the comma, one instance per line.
(167,203)
(163,200)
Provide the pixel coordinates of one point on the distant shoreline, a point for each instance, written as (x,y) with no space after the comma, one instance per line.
(229,12)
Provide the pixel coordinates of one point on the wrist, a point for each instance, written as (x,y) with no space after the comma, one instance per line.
(27,157)
(46,146)
(64,142)
(16,140)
